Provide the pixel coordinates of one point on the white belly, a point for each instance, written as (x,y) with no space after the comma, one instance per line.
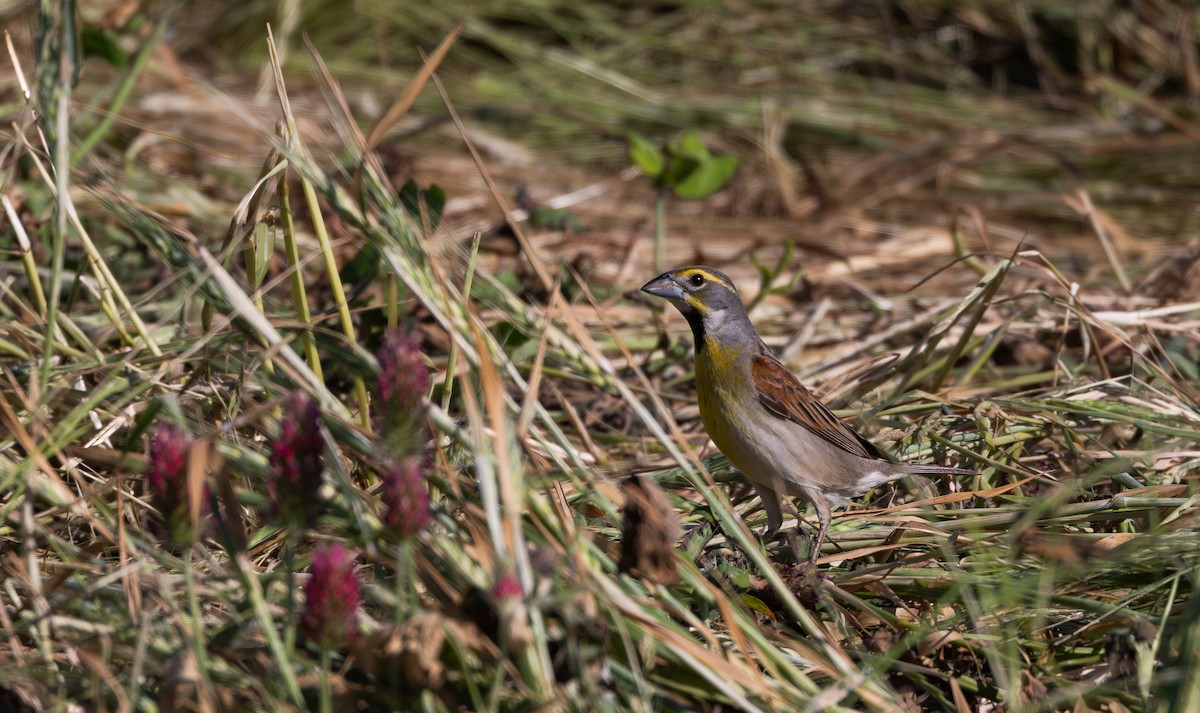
(788,458)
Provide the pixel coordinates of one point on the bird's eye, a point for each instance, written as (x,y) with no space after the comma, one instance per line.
(696,280)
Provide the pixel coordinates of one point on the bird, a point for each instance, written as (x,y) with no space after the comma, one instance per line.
(768,424)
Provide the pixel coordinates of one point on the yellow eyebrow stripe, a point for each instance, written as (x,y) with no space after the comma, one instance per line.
(711,277)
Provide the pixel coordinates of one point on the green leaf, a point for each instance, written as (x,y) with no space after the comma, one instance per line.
(677,171)
(362,268)
(264,238)
(645,156)
(434,198)
(691,147)
(754,603)
(708,177)
(513,338)
(103,45)
(555,219)
(741,578)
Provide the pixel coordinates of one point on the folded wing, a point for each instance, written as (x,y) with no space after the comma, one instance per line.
(783,395)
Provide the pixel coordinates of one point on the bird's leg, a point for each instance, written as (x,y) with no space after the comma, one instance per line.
(770,503)
(823,518)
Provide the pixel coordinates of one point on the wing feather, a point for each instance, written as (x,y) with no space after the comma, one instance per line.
(783,395)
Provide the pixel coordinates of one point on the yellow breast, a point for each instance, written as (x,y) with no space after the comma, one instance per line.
(724,391)
(766,449)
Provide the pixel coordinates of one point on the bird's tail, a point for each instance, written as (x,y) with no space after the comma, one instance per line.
(924,469)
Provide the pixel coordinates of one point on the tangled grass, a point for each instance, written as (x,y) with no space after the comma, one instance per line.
(391,468)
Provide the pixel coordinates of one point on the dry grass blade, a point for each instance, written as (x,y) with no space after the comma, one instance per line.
(493,246)
(413,89)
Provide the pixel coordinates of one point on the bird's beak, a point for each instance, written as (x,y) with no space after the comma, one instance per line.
(664,286)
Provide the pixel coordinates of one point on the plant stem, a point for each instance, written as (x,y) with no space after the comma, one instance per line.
(197,624)
(660,232)
(452,360)
(299,297)
(404,573)
(121,95)
(326,689)
(267,624)
(289,564)
(393,301)
(339,294)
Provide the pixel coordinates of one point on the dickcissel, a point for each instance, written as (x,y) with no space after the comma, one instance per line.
(762,418)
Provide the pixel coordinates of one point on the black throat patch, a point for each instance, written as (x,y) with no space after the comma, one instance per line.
(695,320)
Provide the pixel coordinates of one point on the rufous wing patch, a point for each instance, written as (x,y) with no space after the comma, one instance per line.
(782,394)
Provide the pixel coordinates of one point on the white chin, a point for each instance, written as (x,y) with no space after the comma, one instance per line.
(714,320)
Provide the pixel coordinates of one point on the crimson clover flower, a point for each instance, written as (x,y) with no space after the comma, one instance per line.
(403,385)
(296,462)
(167,482)
(405,498)
(331,598)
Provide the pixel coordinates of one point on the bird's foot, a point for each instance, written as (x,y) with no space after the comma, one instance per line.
(767,534)
(798,552)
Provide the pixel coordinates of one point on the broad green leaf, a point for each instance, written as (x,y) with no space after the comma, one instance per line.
(645,156)
(677,171)
(691,147)
(708,177)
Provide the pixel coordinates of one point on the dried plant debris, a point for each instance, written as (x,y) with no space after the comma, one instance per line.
(1176,278)
(318,357)
(413,652)
(650,533)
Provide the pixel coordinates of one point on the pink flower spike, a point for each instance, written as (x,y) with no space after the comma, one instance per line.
(403,379)
(296,462)
(507,588)
(166,480)
(403,386)
(331,598)
(405,498)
